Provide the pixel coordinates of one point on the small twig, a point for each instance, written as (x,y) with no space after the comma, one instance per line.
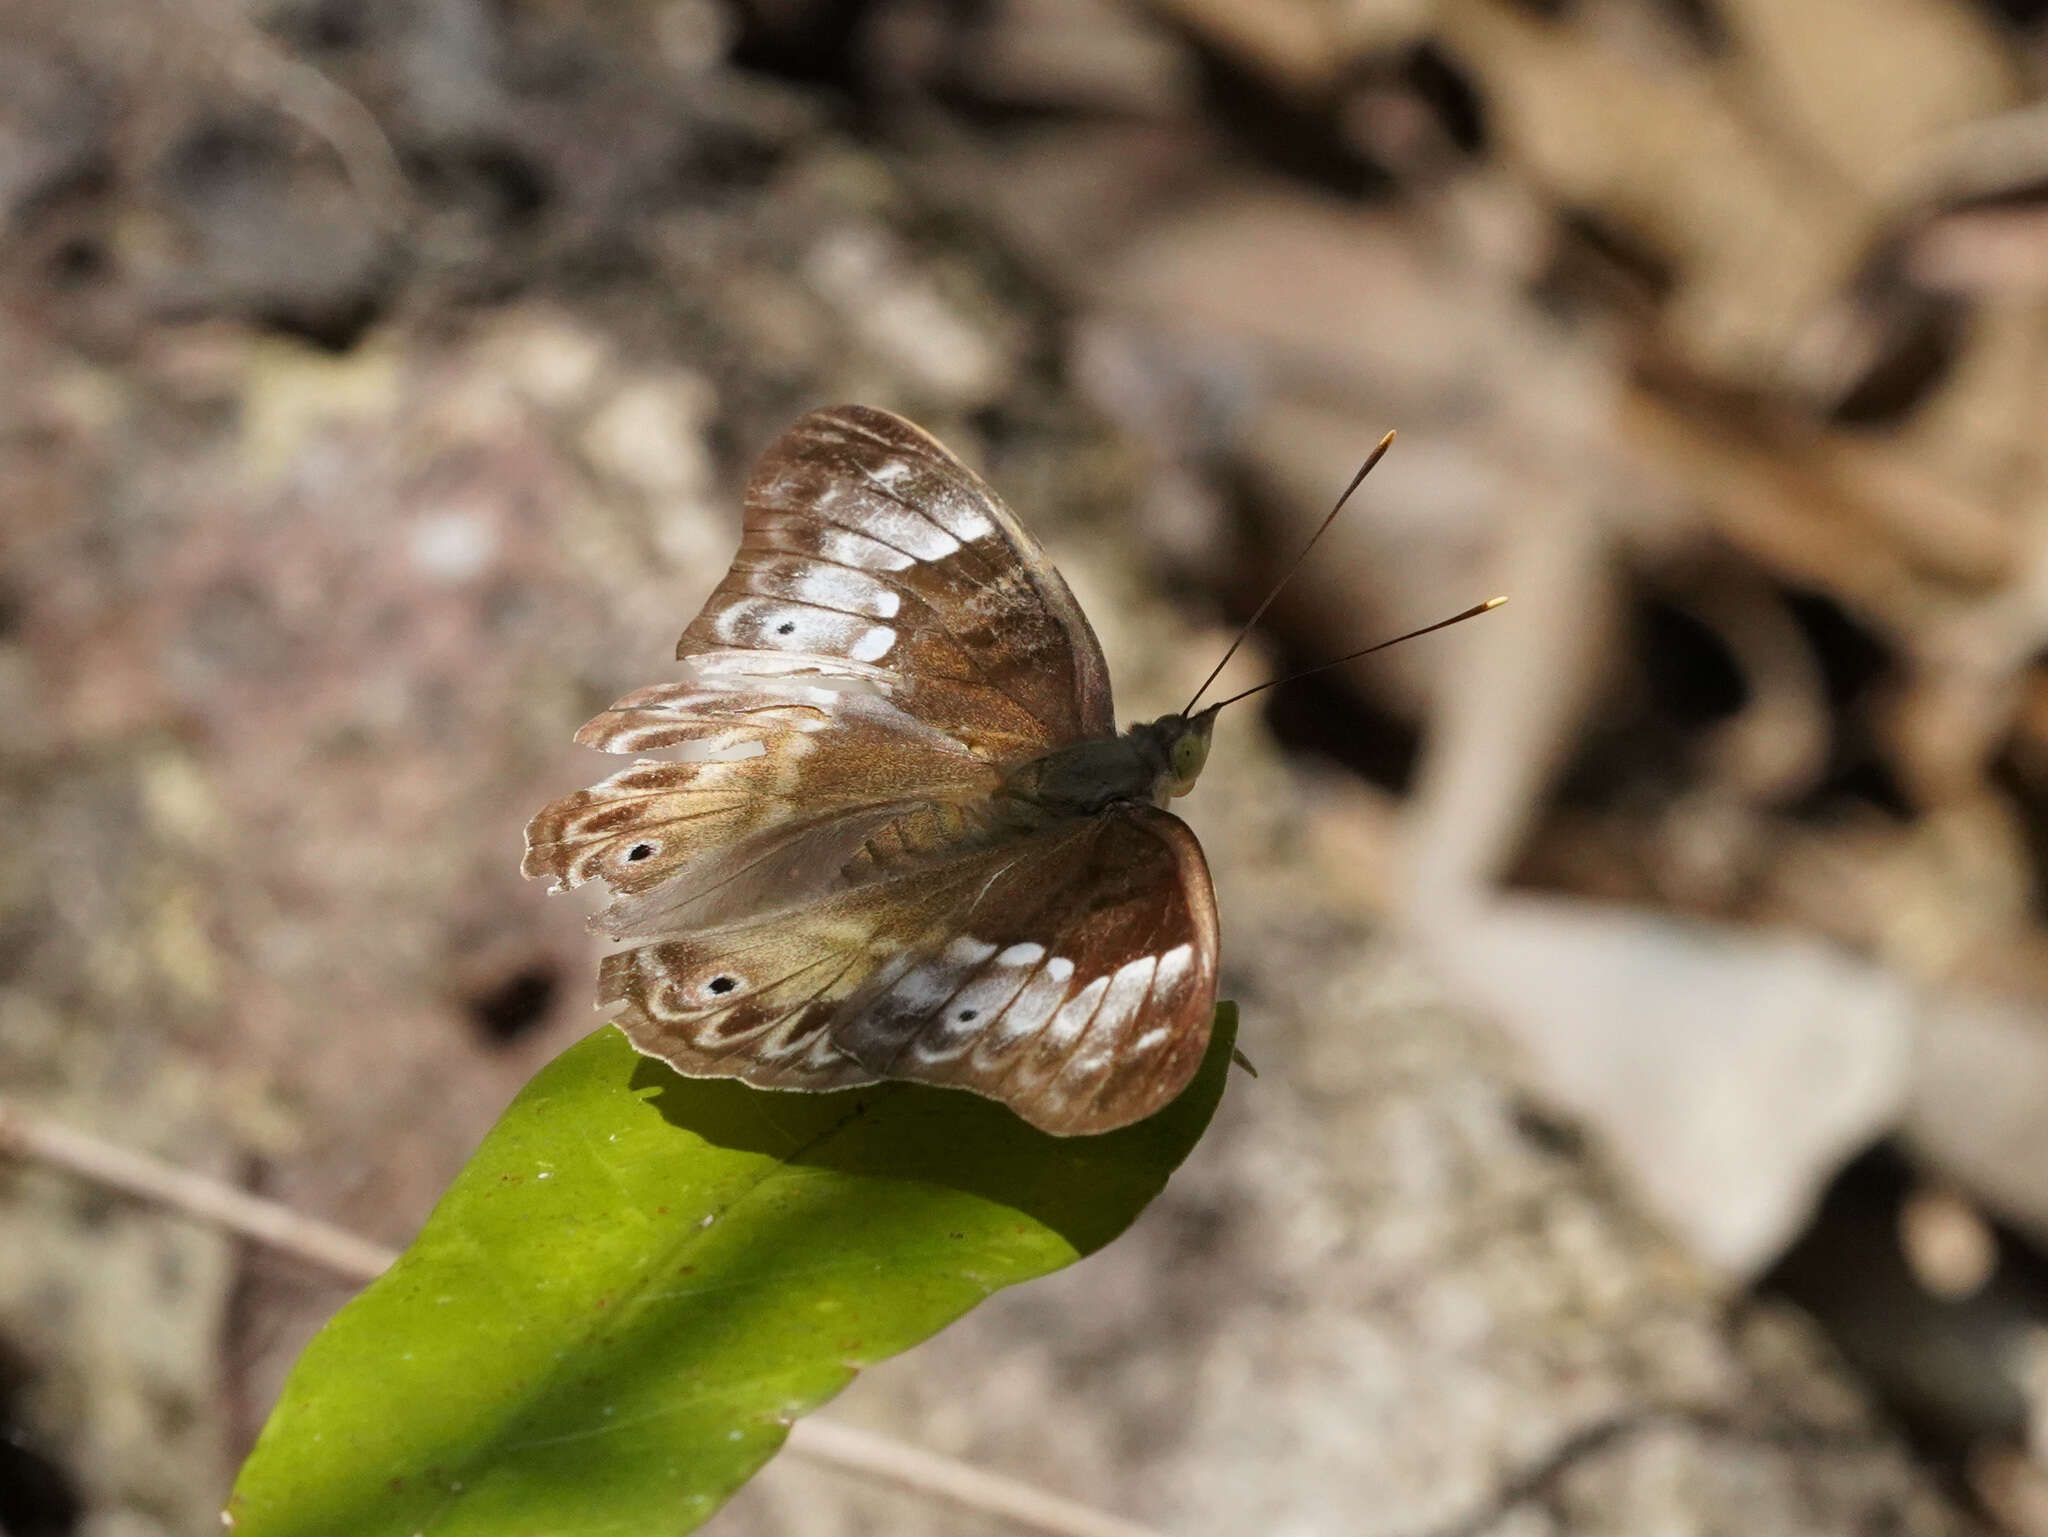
(879,1457)
(356,1258)
(199,1196)
(323,106)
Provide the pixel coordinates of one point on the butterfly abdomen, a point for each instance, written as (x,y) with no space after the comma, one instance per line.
(941,830)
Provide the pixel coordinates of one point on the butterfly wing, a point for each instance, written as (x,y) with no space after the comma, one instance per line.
(870,549)
(1070,974)
(887,637)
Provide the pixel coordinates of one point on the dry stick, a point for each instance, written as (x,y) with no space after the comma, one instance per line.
(889,1461)
(357,1258)
(211,1201)
(323,106)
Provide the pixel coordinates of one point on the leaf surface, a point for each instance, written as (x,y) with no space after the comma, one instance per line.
(639,1279)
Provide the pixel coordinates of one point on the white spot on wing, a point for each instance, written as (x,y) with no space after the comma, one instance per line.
(820,1052)
(851,549)
(837,587)
(1028,1012)
(961,513)
(984,995)
(967,521)
(874,644)
(1150,1039)
(773,624)
(1090,1060)
(1025,954)
(980,998)
(923,987)
(1059,968)
(1072,1017)
(1173,969)
(1127,989)
(905,530)
(968,951)
(783,1044)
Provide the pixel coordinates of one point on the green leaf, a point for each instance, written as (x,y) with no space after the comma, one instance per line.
(640,1279)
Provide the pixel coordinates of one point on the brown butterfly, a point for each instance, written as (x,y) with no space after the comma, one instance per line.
(901,836)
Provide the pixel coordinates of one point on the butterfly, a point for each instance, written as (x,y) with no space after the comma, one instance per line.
(899,836)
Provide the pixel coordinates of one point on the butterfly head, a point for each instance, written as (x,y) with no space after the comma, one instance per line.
(1184,746)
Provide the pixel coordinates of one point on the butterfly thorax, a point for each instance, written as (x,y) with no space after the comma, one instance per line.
(1152,762)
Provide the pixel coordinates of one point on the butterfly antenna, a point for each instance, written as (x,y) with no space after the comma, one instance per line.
(1351,656)
(1259,613)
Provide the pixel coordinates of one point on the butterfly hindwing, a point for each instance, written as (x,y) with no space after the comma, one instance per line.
(782,782)
(1069,972)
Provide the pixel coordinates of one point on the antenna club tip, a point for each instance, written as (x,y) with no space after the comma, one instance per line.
(1385,441)
(1492,603)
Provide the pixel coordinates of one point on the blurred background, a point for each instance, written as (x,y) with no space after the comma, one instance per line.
(1649,983)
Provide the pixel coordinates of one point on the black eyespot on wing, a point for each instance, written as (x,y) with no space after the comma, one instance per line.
(640,851)
(787,627)
(966,1014)
(723,984)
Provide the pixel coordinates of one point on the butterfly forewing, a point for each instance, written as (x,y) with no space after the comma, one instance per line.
(869,548)
(886,638)
(1069,973)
